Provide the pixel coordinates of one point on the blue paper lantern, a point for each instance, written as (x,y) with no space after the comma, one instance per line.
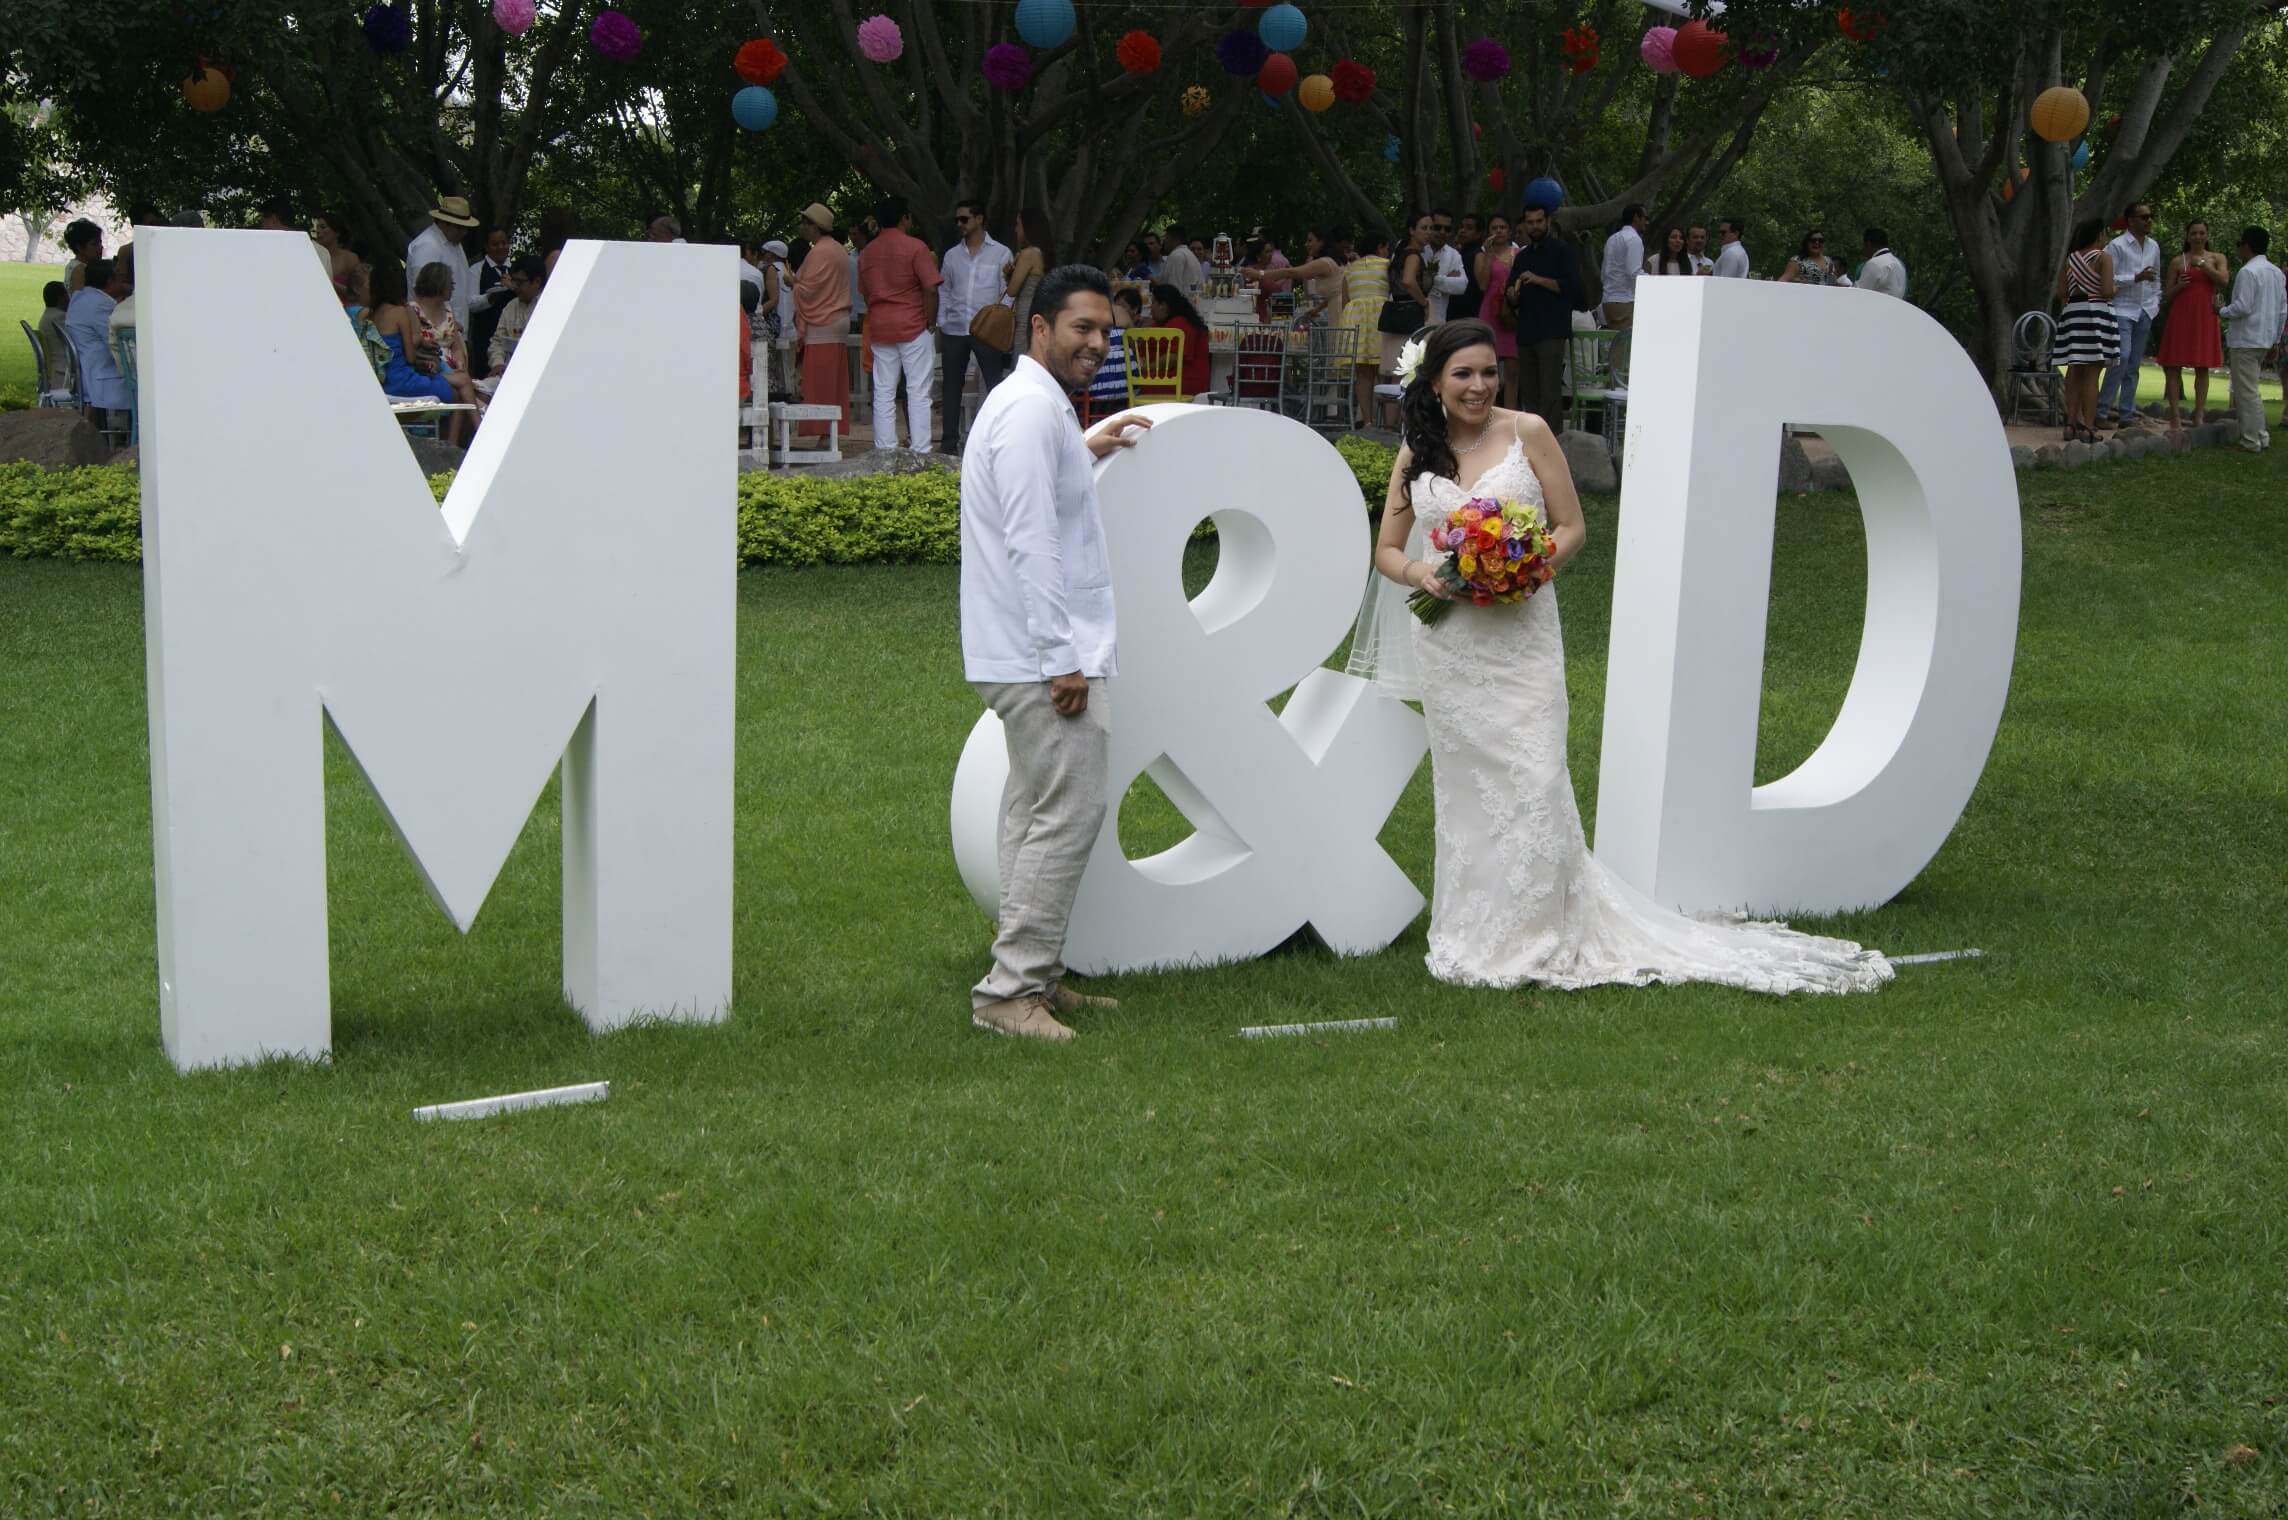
(1045,23)
(1282,28)
(754,108)
(1545,193)
(1390,149)
(2081,154)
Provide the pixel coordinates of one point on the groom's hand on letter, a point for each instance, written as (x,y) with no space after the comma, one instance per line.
(1121,432)
(1069,694)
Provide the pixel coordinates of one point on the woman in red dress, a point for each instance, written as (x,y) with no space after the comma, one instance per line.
(2190,338)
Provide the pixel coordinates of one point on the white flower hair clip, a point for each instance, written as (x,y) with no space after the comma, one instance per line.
(1410,360)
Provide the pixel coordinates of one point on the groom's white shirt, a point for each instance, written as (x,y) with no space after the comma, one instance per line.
(1036,586)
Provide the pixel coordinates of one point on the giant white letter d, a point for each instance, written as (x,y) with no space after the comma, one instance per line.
(1719,365)
(572,601)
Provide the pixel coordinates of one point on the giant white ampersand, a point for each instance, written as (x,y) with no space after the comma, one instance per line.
(1286,805)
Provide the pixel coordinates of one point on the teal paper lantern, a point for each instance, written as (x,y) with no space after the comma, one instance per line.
(1283,28)
(1390,149)
(2081,154)
(754,108)
(1045,23)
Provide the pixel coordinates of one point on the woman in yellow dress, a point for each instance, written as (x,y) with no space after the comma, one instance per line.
(1366,285)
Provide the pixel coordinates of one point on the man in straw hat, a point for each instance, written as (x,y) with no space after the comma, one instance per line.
(449,225)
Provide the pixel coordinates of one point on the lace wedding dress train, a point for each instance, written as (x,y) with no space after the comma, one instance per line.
(1519,899)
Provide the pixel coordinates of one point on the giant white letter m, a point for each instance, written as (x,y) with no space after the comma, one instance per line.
(572,602)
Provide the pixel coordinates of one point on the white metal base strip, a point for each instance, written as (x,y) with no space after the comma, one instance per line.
(1265,1031)
(1936,956)
(547,1097)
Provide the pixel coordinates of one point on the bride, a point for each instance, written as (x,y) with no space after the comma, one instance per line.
(1518,898)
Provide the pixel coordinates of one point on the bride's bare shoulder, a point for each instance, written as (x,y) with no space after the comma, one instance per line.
(1527,427)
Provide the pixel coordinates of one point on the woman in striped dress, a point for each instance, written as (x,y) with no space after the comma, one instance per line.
(1366,285)
(2088,338)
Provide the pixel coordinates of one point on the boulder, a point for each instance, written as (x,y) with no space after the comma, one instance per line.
(2024,456)
(1795,466)
(1828,474)
(54,438)
(2074,455)
(2050,455)
(1590,458)
(880,462)
(128,458)
(435,455)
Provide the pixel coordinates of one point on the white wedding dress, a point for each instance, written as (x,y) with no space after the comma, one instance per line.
(1519,899)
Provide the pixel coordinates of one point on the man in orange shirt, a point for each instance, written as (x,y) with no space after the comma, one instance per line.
(899,280)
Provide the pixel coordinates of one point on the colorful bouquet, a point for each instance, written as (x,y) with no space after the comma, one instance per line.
(1497,550)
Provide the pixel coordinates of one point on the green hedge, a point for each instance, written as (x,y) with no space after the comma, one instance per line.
(95,513)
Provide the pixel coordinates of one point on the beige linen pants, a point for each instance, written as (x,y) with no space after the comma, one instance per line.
(2246,366)
(1051,811)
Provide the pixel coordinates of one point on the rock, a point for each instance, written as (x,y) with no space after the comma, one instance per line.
(128,458)
(2024,456)
(2051,455)
(1590,458)
(53,437)
(1795,466)
(435,455)
(2114,448)
(2075,455)
(1828,474)
(881,462)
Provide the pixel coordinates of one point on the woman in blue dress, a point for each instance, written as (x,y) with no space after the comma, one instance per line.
(404,378)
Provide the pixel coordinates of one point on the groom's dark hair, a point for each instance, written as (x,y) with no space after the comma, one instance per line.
(1059,286)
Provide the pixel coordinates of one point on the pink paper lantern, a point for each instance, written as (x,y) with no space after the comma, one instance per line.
(1659,49)
(514,17)
(880,40)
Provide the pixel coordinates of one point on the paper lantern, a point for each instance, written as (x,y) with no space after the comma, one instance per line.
(1045,23)
(1485,60)
(2010,187)
(616,36)
(2060,112)
(1580,45)
(879,40)
(1241,53)
(1760,53)
(1008,67)
(1278,75)
(759,61)
(1699,50)
(1283,28)
(207,88)
(1545,193)
(1390,147)
(1138,52)
(2081,154)
(1195,99)
(514,17)
(1316,92)
(1354,82)
(1658,49)
(1495,180)
(1859,26)
(388,29)
(754,108)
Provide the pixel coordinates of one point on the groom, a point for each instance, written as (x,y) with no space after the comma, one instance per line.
(1037,638)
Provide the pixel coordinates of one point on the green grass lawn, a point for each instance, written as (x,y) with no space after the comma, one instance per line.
(2006,1237)
(20,286)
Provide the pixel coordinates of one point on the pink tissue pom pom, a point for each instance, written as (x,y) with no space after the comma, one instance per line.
(880,40)
(1008,66)
(513,16)
(1659,49)
(615,36)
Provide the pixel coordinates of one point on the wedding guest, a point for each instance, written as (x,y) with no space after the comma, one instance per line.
(492,294)
(1490,272)
(1318,280)
(85,240)
(2191,336)
(1366,285)
(1172,308)
(1731,254)
(441,243)
(2253,321)
(87,323)
(1178,265)
(1696,245)
(1152,256)
(1108,389)
(2136,255)
(750,297)
(2088,339)
(1469,241)
(1409,290)
(1038,640)
(122,318)
(1266,265)
(1545,289)
(526,276)
(1811,265)
(331,233)
(55,343)
(1132,265)
(820,291)
(975,271)
(1672,257)
(1623,263)
(410,373)
(1443,277)
(1021,274)
(1882,272)
(442,334)
(901,282)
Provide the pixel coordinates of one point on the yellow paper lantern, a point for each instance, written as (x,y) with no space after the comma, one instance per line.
(1317,93)
(2060,112)
(207,90)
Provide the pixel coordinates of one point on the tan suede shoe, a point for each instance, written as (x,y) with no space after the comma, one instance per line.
(1025,1018)
(1064,1000)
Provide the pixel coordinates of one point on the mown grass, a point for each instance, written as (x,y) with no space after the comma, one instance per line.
(2004,1238)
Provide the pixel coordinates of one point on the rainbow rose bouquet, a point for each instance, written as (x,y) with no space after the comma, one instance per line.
(1497,549)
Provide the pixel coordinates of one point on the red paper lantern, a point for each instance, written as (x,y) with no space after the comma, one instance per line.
(1700,49)
(1278,75)
(759,61)
(1354,82)
(1859,26)
(1495,179)
(1138,52)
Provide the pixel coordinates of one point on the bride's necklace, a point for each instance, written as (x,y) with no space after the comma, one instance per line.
(1459,450)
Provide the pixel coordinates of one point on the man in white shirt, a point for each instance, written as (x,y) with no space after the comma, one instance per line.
(1443,276)
(1732,257)
(975,270)
(1882,273)
(1179,266)
(1037,639)
(1624,261)
(1696,249)
(2136,303)
(87,322)
(2252,323)
(440,243)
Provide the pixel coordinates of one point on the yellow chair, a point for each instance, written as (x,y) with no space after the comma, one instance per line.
(1155,364)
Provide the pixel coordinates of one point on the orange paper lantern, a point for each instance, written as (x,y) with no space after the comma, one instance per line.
(207,88)
(1317,93)
(2060,112)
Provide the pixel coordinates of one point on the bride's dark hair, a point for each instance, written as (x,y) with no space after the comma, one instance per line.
(1422,417)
